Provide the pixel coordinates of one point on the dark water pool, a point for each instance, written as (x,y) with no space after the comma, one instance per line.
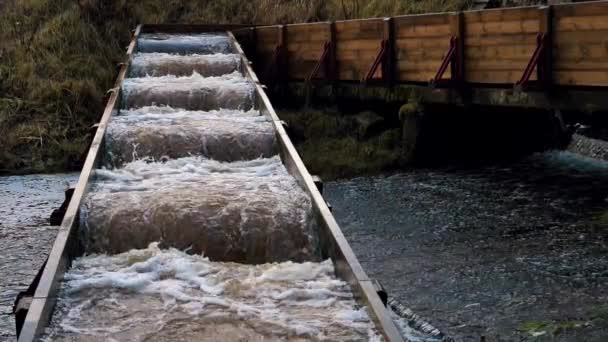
(509,252)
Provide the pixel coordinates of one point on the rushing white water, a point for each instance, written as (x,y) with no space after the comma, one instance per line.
(184,44)
(162,132)
(195,92)
(168,295)
(172,222)
(251,211)
(162,64)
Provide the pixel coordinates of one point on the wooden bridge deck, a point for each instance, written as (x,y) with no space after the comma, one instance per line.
(535,49)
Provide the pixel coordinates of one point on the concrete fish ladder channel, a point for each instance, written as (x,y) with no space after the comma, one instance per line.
(195,217)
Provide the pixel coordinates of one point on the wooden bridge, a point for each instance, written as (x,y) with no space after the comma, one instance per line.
(551,56)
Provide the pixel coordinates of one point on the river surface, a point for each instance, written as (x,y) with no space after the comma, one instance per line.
(25,236)
(509,252)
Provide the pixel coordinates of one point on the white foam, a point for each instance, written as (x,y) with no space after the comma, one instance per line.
(127,296)
(157,132)
(184,43)
(251,211)
(161,64)
(195,92)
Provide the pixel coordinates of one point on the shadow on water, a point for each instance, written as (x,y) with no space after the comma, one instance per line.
(509,251)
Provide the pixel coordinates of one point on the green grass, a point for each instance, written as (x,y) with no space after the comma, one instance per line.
(58,58)
(334,145)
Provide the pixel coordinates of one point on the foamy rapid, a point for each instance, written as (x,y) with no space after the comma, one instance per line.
(251,212)
(157,132)
(184,44)
(168,295)
(161,64)
(195,92)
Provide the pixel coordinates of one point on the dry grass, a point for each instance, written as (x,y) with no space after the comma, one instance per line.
(58,57)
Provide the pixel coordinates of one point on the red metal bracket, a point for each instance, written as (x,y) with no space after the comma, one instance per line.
(541,45)
(449,59)
(380,59)
(322,60)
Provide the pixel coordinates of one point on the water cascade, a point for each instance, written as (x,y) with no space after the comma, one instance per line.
(195,230)
(155,132)
(194,92)
(162,64)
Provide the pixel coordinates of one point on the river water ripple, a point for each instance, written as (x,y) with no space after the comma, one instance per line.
(510,252)
(25,236)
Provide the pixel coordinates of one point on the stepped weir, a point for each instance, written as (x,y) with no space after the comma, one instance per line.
(195,219)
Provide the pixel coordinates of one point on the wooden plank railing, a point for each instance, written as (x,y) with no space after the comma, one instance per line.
(494,46)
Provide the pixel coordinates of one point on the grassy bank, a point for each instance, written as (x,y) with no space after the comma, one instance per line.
(58,58)
(336,145)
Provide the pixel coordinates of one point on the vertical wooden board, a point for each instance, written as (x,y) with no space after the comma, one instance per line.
(357,45)
(580,43)
(499,44)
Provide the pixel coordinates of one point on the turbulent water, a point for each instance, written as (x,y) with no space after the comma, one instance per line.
(249,212)
(184,44)
(193,184)
(167,295)
(195,92)
(511,252)
(156,132)
(162,64)
(25,236)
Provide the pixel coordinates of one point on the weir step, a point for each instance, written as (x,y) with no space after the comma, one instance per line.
(198,210)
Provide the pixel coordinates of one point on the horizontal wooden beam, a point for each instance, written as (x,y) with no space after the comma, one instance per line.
(496,44)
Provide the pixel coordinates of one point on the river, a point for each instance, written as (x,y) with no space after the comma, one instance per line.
(25,236)
(509,251)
